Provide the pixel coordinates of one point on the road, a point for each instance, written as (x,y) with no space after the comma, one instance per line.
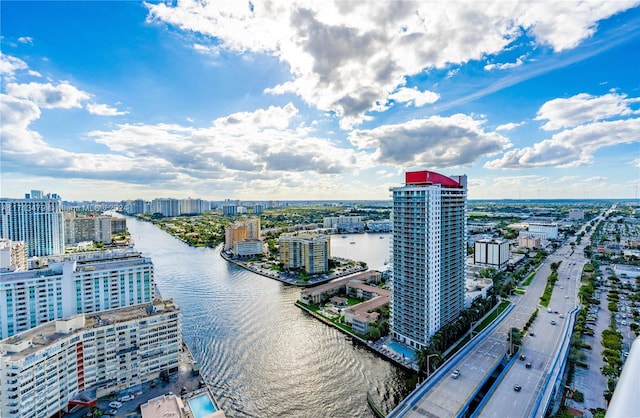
(453,397)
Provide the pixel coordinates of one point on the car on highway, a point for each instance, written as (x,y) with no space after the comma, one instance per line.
(115,404)
(523,357)
(553,322)
(455,374)
(517,388)
(528,365)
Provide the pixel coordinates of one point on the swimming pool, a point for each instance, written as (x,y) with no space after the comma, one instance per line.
(401,349)
(202,405)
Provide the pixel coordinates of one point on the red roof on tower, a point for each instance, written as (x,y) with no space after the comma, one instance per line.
(428,178)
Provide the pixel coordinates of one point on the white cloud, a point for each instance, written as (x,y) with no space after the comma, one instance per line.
(572,147)
(48,96)
(414,96)
(104,110)
(243,146)
(504,66)
(10,64)
(508,126)
(345,56)
(636,162)
(582,108)
(436,141)
(25,150)
(34,73)
(25,40)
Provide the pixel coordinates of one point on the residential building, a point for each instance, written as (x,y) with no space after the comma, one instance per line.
(491,253)
(134,207)
(546,230)
(166,206)
(344,223)
(13,256)
(241,230)
(379,226)
(258,208)
(526,240)
(428,255)
(307,251)
(248,248)
(86,228)
(37,222)
(317,294)
(118,225)
(43,369)
(230,207)
(70,284)
(191,206)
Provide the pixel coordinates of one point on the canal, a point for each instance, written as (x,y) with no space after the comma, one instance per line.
(259,353)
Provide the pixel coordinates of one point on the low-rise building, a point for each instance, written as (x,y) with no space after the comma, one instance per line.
(548,230)
(526,240)
(248,248)
(43,369)
(491,253)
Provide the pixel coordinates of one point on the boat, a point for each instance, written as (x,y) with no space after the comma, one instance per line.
(352,242)
(381,237)
(344,236)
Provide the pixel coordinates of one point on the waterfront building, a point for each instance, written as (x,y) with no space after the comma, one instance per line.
(37,222)
(379,226)
(118,225)
(344,223)
(248,248)
(134,207)
(428,255)
(307,251)
(526,240)
(491,253)
(86,228)
(44,370)
(243,229)
(546,230)
(315,295)
(13,255)
(70,284)
(166,206)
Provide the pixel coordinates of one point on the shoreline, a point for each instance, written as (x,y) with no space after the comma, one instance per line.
(368,344)
(277,275)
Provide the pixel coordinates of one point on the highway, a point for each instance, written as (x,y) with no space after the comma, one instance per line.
(444,396)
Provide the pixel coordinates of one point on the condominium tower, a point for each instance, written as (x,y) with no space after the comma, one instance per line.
(37,222)
(428,255)
(47,370)
(71,284)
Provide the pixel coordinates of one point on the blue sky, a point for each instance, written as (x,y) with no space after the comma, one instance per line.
(319,100)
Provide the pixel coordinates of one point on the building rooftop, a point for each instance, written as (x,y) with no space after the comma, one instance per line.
(162,407)
(23,344)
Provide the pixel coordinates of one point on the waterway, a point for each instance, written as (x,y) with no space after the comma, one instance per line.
(260,354)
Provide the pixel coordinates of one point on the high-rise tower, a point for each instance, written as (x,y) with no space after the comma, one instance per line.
(38,222)
(428,255)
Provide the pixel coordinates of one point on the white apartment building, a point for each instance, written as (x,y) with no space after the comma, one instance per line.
(428,255)
(545,230)
(43,369)
(491,253)
(344,223)
(13,255)
(81,285)
(86,228)
(248,247)
(38,222)
(311,252)
(166,206)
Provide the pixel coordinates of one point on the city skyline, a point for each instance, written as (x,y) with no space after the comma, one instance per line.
(126,100)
